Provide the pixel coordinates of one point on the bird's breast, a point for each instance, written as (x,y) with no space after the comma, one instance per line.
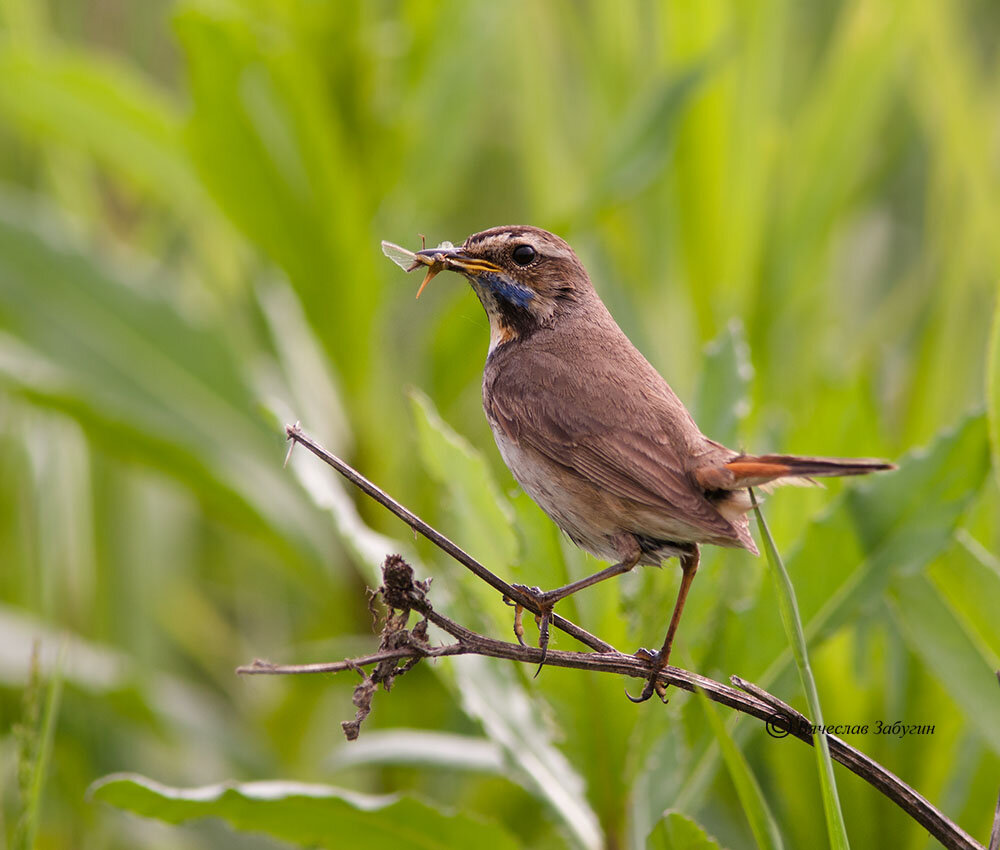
(573,505)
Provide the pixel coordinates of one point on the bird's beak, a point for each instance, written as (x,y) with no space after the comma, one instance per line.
(451,259)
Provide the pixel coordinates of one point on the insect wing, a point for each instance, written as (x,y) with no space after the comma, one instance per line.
(406,260)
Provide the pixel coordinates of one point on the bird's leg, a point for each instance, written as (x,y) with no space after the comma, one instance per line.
(630,554)
(689,566)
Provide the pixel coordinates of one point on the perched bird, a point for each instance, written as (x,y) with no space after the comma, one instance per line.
(590,429)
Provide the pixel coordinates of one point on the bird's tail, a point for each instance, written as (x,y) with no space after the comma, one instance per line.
(726,485)
(758,470)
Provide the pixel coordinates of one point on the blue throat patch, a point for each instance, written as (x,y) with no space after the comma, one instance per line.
(503,287)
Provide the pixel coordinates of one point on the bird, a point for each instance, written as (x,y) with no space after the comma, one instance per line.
(591,430)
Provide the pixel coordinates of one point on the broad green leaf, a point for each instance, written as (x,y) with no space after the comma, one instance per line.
(304,814)
(141,378)
(968,579)
(902,520)
(679,832)
(889,524)
(422,748)
(935,633)
(755,807)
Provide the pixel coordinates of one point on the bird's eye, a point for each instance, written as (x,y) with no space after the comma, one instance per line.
(523,255)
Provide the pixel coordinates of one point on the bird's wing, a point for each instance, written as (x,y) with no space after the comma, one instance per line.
(584,418)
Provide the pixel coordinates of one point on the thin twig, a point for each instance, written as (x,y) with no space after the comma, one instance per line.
(750,699)
(438,539)
(259,667)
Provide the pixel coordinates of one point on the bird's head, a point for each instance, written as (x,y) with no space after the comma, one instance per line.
(525,277)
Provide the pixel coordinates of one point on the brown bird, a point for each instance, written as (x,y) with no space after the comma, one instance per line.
(590,429)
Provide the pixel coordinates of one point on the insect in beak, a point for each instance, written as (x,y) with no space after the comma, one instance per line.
(445,257)
(436,259)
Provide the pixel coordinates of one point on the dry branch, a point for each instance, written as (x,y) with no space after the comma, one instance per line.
(401,649)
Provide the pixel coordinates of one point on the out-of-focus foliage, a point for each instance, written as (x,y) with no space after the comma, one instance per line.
(301,813)
(192,197)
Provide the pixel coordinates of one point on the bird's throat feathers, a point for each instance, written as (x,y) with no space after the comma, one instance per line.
(507,290)
(514,310)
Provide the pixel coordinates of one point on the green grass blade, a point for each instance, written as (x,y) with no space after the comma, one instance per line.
(762,822)
(993,389)
(836,829)
(37,735)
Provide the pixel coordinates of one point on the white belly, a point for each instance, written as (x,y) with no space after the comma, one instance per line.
(590,516)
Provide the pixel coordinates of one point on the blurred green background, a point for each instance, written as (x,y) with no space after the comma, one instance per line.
(790,208)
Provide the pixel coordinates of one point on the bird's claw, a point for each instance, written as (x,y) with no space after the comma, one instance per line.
(543,619)
(653,683)
(543,637)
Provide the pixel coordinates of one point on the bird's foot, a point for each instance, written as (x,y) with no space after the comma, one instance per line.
(543,618)
(653,683)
